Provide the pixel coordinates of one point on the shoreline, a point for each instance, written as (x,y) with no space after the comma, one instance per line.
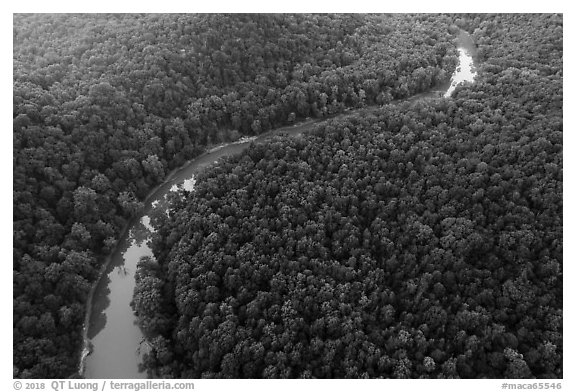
(85,349)
(302,126)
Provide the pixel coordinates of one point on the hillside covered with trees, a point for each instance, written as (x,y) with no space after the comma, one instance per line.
(421,240)
(104,106)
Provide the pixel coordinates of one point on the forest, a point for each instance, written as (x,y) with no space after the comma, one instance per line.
(423,240)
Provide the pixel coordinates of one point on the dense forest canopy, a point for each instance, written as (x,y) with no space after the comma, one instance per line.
(422,240)
(104,106)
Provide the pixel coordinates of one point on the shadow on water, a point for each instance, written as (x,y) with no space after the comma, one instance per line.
(101,302)
(112,332)
(117,343)
(140,233)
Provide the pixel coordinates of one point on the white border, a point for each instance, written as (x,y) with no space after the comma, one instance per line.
(304,6)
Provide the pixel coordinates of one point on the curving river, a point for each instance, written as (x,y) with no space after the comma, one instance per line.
(113,343)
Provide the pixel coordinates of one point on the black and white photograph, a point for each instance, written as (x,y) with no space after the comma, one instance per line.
(302,195)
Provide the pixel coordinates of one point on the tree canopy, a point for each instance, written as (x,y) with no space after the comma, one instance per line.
(418,240)
(105,106)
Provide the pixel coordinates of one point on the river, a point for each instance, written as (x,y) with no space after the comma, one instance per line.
(114,345)
(466,70)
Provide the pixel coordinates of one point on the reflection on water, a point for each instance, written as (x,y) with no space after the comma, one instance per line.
(117,344)
(101,302)
(465,72)
(189,184)
(113,354)
(146,222)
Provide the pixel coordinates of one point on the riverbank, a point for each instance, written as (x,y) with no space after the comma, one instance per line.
(178,175)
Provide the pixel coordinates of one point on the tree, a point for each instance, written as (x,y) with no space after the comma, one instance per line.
(153,167)
(129,204)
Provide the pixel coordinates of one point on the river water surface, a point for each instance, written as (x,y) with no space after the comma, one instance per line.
(114,344)
(466,71)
